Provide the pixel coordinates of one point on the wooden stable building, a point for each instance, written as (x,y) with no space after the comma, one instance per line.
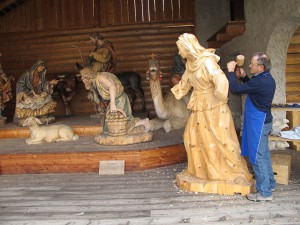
(43,189)
(49,30)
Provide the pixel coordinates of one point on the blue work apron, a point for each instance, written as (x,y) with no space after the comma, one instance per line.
(252,129)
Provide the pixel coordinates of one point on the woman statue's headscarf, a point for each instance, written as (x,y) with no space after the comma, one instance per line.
(195,51)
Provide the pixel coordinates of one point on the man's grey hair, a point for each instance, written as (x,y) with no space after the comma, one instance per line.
(263,59)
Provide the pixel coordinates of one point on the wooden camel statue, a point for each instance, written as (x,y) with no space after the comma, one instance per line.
(171,113)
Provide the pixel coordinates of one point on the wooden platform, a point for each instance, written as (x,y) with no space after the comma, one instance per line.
(83,155)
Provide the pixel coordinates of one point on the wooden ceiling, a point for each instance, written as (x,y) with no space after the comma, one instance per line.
(8,5)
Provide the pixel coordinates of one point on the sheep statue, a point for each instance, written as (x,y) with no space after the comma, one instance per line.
(51,133)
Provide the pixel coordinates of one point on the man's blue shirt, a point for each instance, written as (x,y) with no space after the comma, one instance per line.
(261,90)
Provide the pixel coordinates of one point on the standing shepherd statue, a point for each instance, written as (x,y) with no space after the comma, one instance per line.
(214,161)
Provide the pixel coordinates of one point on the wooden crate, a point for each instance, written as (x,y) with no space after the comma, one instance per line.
(281,167)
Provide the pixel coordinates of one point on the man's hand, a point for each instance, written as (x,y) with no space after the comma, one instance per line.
(231,66)
(240,72)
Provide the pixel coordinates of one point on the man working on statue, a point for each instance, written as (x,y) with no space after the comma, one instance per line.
(109,87)
(257,120)
(177,69)
(102,58)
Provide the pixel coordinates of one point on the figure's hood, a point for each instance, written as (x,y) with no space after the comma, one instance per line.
(36,65)
(195,51)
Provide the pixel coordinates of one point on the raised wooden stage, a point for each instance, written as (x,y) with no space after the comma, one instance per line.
(83,155)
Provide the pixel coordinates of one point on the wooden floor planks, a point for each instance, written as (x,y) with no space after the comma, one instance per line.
(136,198)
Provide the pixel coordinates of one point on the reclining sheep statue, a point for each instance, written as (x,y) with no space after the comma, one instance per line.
(51,133)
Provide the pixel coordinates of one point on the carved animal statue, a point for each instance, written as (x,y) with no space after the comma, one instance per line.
(66,89)
(51,133)
(132,82)
(171,113)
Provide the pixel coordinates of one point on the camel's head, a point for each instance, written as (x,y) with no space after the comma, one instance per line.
(153,71)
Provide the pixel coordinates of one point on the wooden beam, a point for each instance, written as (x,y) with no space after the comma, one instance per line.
(224,37)
(8,5)
(235,28)
(214,44)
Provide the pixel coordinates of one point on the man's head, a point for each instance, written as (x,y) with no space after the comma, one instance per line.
(259,63)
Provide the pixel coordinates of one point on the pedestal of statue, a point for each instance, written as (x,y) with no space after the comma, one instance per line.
(2,120)
(127,139)
(189,182)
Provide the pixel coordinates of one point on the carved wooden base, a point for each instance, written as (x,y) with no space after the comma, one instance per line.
(2,120)
(104,139)
(188,182)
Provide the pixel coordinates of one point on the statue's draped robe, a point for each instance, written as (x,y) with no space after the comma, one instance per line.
(105,58)
(28,83)
(122,101)
(210,138)
(5,92)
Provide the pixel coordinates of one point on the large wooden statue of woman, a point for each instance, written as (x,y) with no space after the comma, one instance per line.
(213,150)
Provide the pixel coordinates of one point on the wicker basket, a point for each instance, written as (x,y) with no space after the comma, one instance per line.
(116,123)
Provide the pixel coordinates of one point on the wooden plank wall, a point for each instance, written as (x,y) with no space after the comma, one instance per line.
(293,69)
(48,29)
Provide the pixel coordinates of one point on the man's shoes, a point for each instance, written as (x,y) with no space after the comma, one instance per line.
(273,189)
(256,197)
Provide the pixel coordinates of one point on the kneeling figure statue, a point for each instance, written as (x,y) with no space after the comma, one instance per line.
(107,86)
(33,95)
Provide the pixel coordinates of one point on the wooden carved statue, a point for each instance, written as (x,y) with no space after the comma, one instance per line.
(119,126)
(171,113)
(5,92)
(33,95)
(51,133)
(103,57)
(214,161)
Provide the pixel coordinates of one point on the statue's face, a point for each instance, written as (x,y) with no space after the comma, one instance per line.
(87,79)
(93,40)
(41,68)
(183,52)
